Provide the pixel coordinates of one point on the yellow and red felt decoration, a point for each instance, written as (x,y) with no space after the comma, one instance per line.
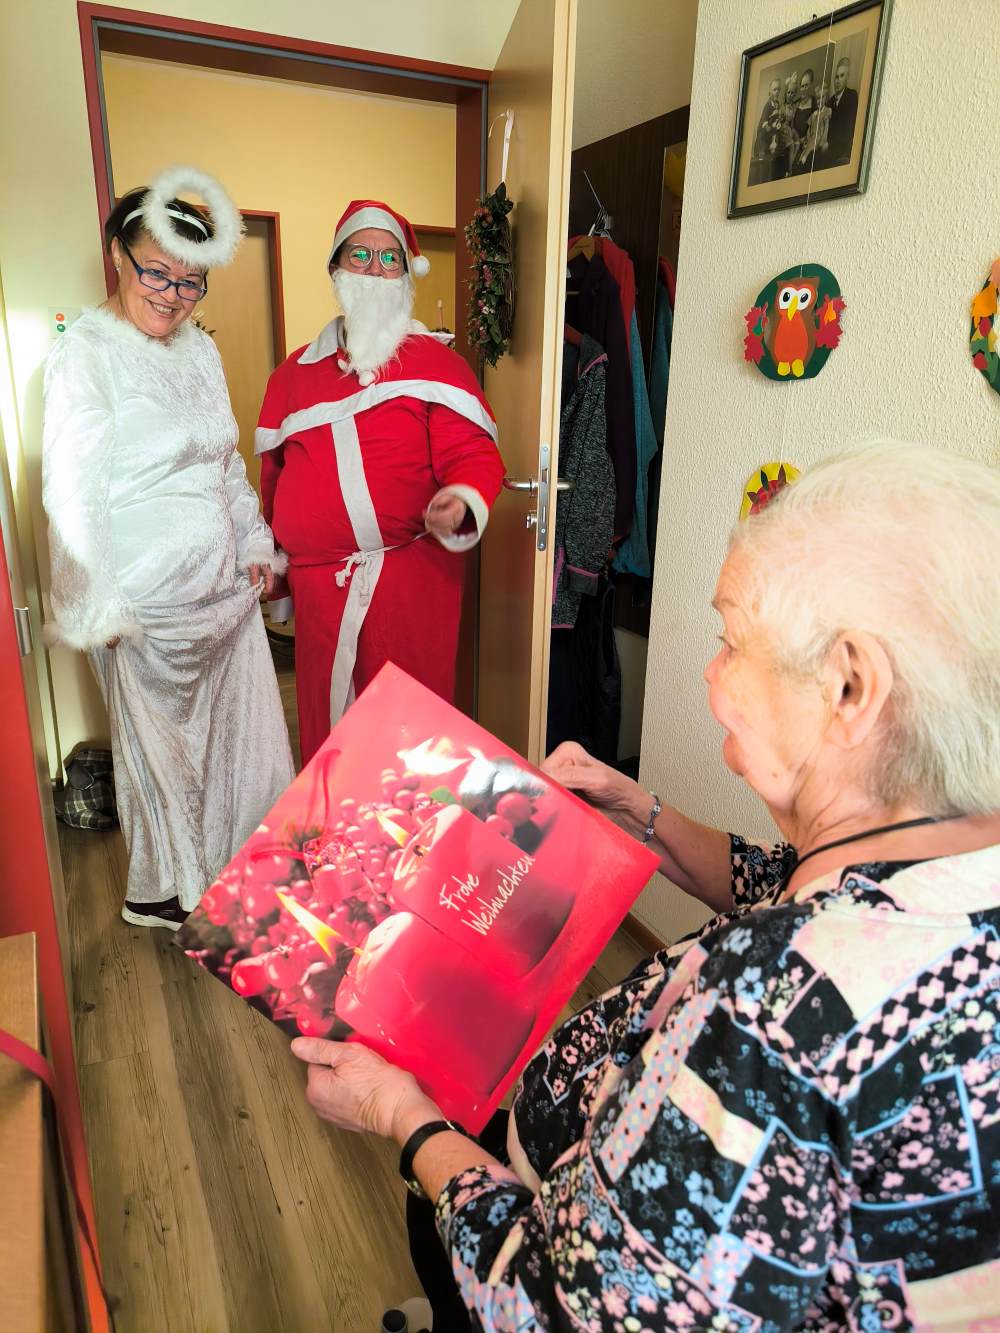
(982,334)
(764,485)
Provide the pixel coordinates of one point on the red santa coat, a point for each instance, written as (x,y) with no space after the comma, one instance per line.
(346,474)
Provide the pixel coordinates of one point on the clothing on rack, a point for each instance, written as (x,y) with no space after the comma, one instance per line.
(593,305)
(659,378)
(585,679)
(585,513)
(632,556)
(570,364)
(619,264)
(669,279)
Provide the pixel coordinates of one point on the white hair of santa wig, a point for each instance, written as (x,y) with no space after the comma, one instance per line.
(227,224)
(902,542)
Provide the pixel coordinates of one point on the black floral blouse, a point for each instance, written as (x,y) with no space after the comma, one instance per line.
(789,1120)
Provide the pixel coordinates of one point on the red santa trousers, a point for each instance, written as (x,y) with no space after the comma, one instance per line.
(412,620)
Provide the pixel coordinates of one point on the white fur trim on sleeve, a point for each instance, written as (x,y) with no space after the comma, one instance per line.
(262,554)
(56,633)
(464,541)
(227,223)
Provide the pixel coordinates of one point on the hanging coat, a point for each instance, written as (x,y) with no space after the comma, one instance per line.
(585,514)
(659,378)
(596,309)
(632,557)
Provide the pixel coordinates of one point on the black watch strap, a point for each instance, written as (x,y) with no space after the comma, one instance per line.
(413,1145)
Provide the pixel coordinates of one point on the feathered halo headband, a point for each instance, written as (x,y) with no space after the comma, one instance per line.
(157,215)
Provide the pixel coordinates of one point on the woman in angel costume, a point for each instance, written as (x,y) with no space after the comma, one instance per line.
(159,553)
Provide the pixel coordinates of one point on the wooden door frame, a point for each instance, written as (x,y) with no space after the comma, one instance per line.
(106,28)
(273,224)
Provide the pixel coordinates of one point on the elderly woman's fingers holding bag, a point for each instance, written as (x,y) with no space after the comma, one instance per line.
(571,766)
(354,1088)
(694,856)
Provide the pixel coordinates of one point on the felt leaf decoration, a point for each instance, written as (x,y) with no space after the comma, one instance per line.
(753,348)
(985,304)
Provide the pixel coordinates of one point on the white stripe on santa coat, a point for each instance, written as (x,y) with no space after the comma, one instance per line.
(362,568)
(462,402)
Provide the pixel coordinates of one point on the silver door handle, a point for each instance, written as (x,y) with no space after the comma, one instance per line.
(531,485)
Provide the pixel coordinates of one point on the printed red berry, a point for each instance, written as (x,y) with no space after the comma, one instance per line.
(248,977)
(516,807)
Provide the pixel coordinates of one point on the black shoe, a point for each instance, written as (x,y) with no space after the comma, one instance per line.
(168,913)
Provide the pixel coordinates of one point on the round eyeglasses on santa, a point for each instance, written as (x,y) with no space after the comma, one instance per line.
(361,258)
(362,214)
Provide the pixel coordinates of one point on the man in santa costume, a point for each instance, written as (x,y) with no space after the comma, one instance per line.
(379,465)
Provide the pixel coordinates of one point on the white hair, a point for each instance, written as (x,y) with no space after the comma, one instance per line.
(902,542)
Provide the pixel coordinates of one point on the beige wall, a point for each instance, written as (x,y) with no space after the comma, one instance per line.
(910,254)
(634,60)
(313,150)
(49,226)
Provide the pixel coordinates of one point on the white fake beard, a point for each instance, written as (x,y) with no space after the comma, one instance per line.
(377,314)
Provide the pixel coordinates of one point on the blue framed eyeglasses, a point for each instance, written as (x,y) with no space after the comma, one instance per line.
(159,282)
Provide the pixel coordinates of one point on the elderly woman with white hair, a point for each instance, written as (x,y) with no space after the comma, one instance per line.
(790,1120)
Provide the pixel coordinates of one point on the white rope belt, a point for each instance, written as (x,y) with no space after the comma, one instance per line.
(362,560)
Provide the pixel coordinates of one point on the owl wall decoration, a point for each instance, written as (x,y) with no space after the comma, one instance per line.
(794,324)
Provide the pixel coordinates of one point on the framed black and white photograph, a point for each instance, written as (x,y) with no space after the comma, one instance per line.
(806,114)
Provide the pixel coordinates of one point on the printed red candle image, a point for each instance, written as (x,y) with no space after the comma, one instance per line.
(400,999)
(422,889)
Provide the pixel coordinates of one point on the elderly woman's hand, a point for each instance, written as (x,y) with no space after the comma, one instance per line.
(355,1089)
(571,766)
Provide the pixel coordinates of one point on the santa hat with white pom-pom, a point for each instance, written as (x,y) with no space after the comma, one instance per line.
(362,213)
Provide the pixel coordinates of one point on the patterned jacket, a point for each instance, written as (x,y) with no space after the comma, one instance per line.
(790,1120)
(585,515)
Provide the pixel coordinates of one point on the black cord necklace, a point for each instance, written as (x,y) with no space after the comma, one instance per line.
(868,833)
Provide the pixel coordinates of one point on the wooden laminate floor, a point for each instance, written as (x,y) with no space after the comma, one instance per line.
(223,1203)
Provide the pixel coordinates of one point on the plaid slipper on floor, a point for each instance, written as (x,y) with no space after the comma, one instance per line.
(88,798)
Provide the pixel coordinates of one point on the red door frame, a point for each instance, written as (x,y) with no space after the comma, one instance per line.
(25,905)
(215,45)
(218,46)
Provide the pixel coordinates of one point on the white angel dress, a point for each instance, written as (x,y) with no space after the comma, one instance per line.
(152,526)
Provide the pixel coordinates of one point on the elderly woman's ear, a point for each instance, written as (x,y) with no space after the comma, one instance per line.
(859,679)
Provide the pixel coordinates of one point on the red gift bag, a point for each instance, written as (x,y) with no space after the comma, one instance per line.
(422,889)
